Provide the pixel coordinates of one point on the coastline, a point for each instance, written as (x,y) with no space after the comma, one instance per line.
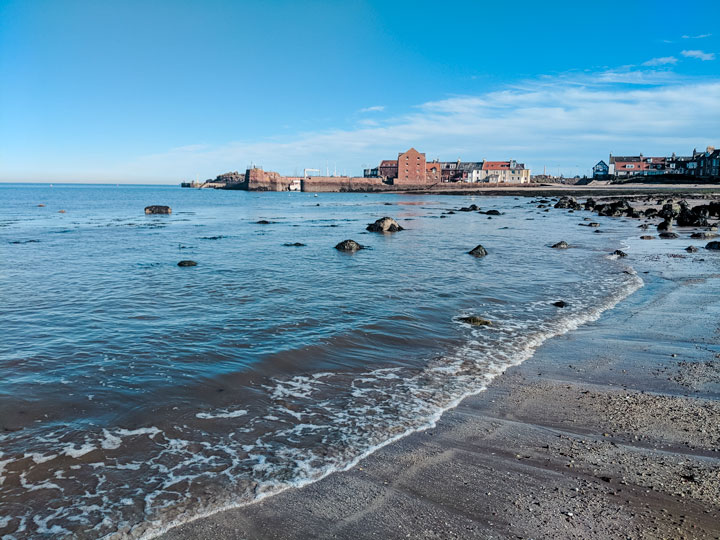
(602,432)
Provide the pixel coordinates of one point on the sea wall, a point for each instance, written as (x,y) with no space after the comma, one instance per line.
(342,184)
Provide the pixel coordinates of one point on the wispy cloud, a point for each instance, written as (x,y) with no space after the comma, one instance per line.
(661,61)
(566,123)
(374,108)
(699,36)
(700,55)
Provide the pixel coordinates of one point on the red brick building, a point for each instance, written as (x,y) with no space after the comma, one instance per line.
(412,168)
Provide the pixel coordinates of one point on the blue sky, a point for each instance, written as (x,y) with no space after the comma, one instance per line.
(166,91)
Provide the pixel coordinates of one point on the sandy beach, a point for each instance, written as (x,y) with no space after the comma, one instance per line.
(609,431)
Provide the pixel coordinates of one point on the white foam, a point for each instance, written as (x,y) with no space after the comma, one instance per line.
(222,414)
(76,452)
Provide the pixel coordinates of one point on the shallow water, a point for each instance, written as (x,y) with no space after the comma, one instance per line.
(137,394)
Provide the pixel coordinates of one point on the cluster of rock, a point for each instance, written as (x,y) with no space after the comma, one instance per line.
(158,209)
(383,225)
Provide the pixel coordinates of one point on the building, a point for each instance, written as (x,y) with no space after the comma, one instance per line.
(504,172)
(708,163)
(411,168)
(388,168)
(601,170)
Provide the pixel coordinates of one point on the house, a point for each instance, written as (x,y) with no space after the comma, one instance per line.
(600,170)
(708,162)
(510,172)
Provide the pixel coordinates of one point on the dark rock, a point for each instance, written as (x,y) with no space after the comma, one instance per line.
(493,213)
(187,263)
(714,246)
(668,235)
(475,321)
(703,235)
(156,209)
(568,203)
(647,237)
(669,210)
(590,204)
(478,251)
(619,253)
(212,237)
(593,224)
(386,224)
(687,218)
(294,244)
(264,222)
(665,225)
(560,245)
(560,304)
(691,249)
(350,246)
(650,212)
(451,213)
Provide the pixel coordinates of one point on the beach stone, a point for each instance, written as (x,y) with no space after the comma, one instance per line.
(493,213)
(61,211)
(475,321)
(703,235)
(669,210)
(350,246)
(647,237)
(714,246)
(665,225)
(691,249)
(560,245)
(41,206)
(293,244)
(590,204)
(619,253)
(593,224)
(651,212)
(386,224)
(668,235)
(560,304)
(263,222)
(568,203)
(687,218)
(158,209)
(187,263)
(478,251)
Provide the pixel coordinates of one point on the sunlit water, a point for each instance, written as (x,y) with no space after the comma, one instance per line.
(136,394)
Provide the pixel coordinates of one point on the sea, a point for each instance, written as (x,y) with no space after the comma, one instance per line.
(137,395)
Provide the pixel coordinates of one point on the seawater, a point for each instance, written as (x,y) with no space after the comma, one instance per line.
(137,395)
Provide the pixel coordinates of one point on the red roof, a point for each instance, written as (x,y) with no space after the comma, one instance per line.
(388,163)
(495,165)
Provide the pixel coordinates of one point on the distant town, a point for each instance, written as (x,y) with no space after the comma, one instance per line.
(411,171)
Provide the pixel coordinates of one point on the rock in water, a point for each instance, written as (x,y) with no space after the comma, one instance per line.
(294,244)
(703,235)
(715,246)
(665,225)
(691,249)
(351,246)
(493,213)
(647,237)
(156,209)
(475,321)
(569,203)
(478,251)
(560,304)
(560,245)
(187,263)
(386,224)
(668,235)
(619,253)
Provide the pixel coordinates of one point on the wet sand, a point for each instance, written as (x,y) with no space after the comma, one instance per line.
(610,431)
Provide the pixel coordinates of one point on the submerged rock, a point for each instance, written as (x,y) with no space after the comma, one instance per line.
(691,249)
(668,235)
(703,235)
(647,237)
(568,202)
(493,213)
(158,209)
(386,224)
(293,244)
(350,246)
(478,251)
(475,321)
(619,253)
(187,263)
(560,245)
(665,225)
(264,222)
(560,304)
(714,246)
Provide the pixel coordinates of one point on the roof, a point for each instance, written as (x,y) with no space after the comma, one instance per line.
(625,159)
(495,165)
(388,163)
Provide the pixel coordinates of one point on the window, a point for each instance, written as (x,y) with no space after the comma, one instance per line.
(630,166)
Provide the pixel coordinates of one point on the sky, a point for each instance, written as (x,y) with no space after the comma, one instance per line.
(170,91)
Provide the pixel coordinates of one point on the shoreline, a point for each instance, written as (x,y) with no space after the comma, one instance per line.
(567,418)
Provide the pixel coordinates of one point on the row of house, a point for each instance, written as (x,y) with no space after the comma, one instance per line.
(704,165)
(412,167)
